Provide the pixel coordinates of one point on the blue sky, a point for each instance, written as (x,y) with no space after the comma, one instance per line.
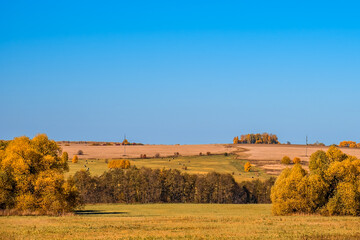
(180,71)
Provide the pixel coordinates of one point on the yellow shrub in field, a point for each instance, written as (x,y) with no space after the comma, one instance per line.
(285,160)
(296,160)
(247,167)
(75,159)
(121,164)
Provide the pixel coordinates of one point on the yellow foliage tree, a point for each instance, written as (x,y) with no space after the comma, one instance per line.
(285,160)
(296,160)
(75,159)
(247,167)
(236,140)
(120,164)
(32,177)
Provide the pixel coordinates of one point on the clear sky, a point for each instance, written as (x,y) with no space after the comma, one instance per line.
(167,72)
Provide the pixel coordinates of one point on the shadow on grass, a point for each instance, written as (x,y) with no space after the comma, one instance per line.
(96,212)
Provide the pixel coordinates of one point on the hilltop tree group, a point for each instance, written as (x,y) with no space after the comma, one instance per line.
(257,138)
(332,187)
(32,177)
(350,144)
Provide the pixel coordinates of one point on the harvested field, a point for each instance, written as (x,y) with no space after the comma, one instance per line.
(263,156)
(134,151)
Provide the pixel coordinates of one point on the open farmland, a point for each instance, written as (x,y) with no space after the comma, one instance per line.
(179,221)
(193,164)
(263,156)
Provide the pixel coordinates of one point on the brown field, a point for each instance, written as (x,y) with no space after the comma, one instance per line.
(264,156)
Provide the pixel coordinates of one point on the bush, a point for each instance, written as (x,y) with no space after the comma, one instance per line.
(285,160)
(226,154)
(296,160)
(247,167)
(143,156)
(200,154)
(119,164)
(208,153)
(157,155)
(80,152)
(65,156)
(75,159)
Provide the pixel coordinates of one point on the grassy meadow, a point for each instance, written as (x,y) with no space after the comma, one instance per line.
(178,221)
(194,164)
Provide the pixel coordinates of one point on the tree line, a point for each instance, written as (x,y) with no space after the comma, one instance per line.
(264,138)
(147,185)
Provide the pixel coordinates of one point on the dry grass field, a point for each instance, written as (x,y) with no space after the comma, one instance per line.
(194,165)
(266,157)
(179,221)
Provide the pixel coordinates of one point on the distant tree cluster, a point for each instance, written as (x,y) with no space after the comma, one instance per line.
(257,138)
(119,164)
(32,177)
(349,144)
(147,185)
(126,142)
(331,188)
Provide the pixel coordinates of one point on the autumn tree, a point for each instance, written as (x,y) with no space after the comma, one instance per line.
(296,160)
(236,140)
(119,164)
(247,167)
(285,160)
(75,159)
(32,177)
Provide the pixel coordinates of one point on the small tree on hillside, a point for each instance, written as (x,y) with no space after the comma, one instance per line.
(296,160)
(285,160)
(65,157)
(247,167)
(75,159)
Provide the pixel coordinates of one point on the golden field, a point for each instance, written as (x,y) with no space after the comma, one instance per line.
(179,221)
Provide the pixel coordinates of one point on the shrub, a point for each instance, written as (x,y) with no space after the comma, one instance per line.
(296,160)
(143,156)
(119,164)
(285,160)
(208,153)
(65,156)
(200,154)
(157,155)
(80,152)
(75,159)
(226,154)
(247,167)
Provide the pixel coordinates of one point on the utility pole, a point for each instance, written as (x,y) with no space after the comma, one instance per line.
(124,145)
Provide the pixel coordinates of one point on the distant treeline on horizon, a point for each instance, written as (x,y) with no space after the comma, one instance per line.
(263,138)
